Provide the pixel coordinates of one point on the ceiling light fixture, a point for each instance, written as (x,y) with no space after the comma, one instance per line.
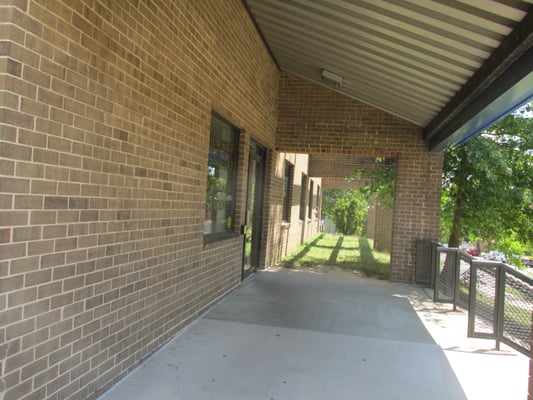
(332,77)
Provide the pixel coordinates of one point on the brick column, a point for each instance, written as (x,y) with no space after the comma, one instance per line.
(317,121)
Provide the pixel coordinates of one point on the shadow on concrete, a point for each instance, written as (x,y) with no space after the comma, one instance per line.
(296,335)
(325,303)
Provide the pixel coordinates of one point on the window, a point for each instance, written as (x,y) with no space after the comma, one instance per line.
(310,202)
(221,177)
(288,177)
(303,197)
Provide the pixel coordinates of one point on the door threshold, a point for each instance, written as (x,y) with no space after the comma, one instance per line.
(250,276)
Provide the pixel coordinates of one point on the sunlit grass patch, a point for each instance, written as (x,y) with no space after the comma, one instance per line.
(347,252)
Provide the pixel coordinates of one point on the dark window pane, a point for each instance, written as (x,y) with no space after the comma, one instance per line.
(288,178)
(221,175)
(303,198)
(310,202)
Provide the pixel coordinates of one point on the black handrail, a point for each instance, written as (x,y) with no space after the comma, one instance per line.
(499,299)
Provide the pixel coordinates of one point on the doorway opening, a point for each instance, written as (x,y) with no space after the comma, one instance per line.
(254,209)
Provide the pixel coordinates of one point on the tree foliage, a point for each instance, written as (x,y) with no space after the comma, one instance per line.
(348,209)
(350,212)
(487,185)
(378,181)
(329,199)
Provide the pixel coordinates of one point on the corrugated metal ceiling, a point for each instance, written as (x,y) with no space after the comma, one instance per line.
(407,57)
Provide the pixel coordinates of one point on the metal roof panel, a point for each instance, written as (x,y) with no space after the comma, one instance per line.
(406,57)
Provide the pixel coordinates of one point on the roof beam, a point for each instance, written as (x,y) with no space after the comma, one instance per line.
(508,65)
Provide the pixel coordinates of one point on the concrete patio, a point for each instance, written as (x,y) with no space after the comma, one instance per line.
(286,334)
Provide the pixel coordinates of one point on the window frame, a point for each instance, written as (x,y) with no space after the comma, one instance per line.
(288,183)
(311,198)
(234,162)
(303,197)
(318,200)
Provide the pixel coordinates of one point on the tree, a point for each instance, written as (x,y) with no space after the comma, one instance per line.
(350,212)
(378,181)
(487,185)
(348,209)
(329,199)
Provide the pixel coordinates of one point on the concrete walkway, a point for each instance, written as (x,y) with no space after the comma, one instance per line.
(294,335)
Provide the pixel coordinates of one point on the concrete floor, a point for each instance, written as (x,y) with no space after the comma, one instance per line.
(294,335)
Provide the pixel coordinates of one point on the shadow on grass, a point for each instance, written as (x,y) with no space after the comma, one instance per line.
(346,252)
(369,264)
(367,256)
(336,250)
(297,258)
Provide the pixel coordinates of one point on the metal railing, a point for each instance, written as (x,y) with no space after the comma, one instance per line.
(426,253)
(499,299)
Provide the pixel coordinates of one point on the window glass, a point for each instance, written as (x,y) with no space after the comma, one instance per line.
(221,175)
(288,178)
(310,202)
(303,198)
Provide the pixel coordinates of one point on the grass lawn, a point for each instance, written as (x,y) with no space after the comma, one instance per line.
(346,252)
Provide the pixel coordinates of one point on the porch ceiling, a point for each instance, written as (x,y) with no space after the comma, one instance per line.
(424,61)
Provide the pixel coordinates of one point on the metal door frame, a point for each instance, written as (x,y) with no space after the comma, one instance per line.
(258,153)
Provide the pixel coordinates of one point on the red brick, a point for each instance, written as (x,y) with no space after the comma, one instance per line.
(5,235)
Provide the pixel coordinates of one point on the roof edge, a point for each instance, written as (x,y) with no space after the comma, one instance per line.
(490,81)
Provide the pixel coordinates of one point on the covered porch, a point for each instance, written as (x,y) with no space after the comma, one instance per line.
(287,334)
(114,117)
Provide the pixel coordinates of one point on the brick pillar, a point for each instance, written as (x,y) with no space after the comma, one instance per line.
(383,228)
(371,222)
(317,121)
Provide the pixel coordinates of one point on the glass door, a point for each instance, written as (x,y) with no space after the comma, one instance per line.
(254,209)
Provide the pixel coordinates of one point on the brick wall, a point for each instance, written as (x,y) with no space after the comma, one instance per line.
(335,170)
(316,120)
(383,228)
(341,183)
(339,166)
(105,112)
(371,222)
(284,237)
(105,128)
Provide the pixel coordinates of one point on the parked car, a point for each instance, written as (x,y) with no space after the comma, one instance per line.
(496,256)
(472,251)
(527,261)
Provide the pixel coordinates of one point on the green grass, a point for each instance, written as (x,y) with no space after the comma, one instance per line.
(347,252)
